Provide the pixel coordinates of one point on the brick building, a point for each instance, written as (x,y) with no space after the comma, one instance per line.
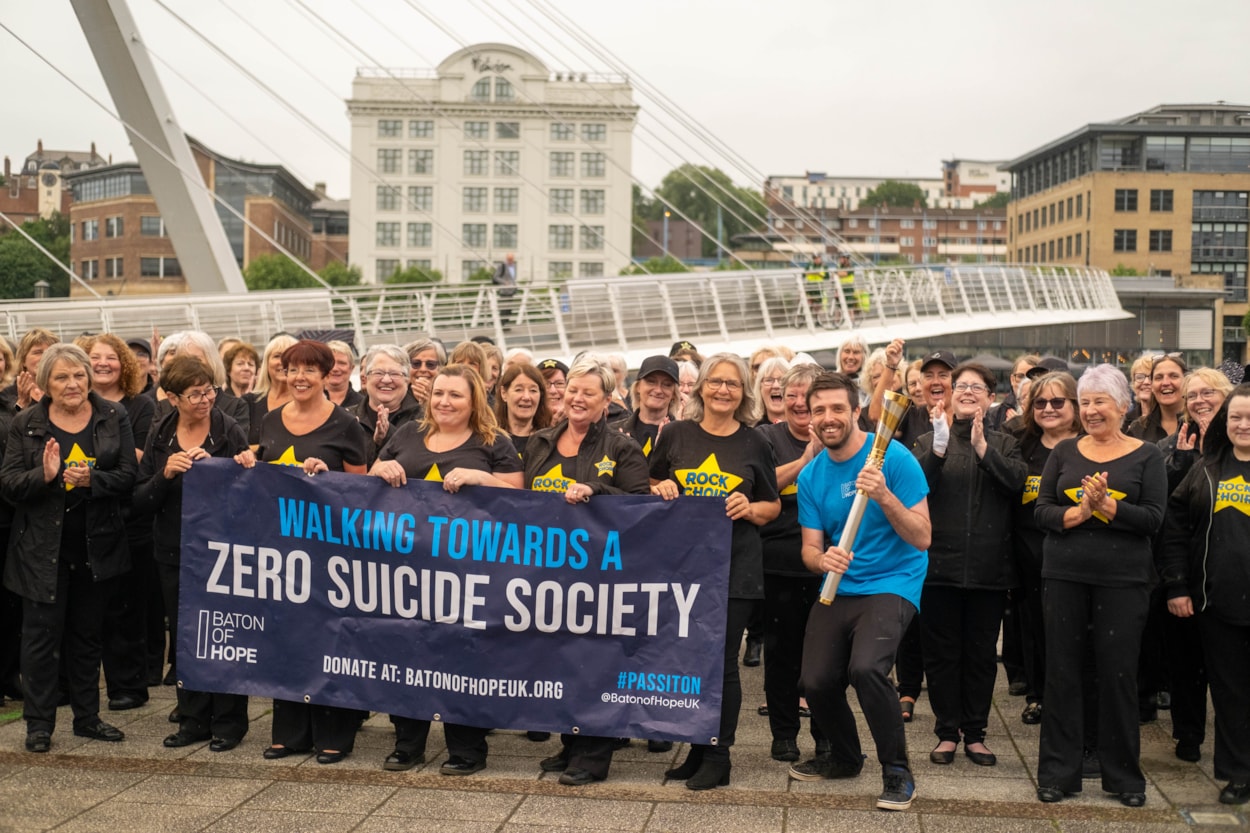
(36,189)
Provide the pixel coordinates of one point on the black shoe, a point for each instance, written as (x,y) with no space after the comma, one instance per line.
(461,766)
(1147,714)
(939,756)
(1050,795)
(1091,766)
(620,743)
(825,767)
(1188,751)
(41,741)
(1133,799)
(181,738)
(328,758)
(538,737)
(556,763)
(751,657)
(1018,689)
(1032,714)
(175,716)
(898,788)
(785,749)
(274,753)
(99,730)
(401,761)
(171,677)
(659,746)
(125,702)
(1237,792)
(714,773)
(688,767)
(980,758)
(576,778)
(224,744)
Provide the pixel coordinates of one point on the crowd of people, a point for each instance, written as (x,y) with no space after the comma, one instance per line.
(1091,523)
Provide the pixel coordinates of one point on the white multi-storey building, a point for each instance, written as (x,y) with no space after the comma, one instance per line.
(491,153)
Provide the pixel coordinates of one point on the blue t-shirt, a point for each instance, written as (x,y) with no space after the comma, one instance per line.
(884,562)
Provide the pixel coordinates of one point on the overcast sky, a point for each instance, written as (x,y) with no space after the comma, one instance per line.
(857,88)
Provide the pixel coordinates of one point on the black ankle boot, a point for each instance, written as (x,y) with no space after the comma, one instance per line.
(713,773)
(694,760)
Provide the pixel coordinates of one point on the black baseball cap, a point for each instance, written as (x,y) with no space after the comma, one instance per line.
(140,344)
(678,346)
(941,357)
(659,364)
(554,364)
(1048,364)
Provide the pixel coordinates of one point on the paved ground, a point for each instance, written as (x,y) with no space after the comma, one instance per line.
(139,786)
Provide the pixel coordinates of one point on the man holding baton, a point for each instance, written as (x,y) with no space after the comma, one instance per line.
(854,639)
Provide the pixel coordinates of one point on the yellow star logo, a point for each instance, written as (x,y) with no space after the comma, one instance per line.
(792,489)
(605,466)
(1233,493)
(1032,486)
(287,458)
(1077,493)
(707,479)
(553,481)
(646,448)
(434,474)
(78,458)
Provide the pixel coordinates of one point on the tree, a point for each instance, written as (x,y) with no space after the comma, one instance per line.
(275,271)
(415,274)
(22,265)
(1245,323)
(1122,271)
(340,274)
(895,193)
(482,275)
(998,200)
(656,266)
(697,192)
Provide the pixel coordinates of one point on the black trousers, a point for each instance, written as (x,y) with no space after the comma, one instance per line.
(853,642)
(588,752)
(960,641)
(125,639)
(787,602)
(1032,628)
(909,664)
(411,734)
(10,627)
(1182,640)
(1111,621)
(1227,650)
(1013,641)
(308,726)
(466,742)
(738,612)
(64,634)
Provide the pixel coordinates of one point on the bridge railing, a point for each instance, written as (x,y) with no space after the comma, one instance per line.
(620,313)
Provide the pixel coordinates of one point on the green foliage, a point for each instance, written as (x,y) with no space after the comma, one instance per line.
(656,266)
(275,271)
(696,191)
(894,260)
(22,265)
(415,274)
(895,193)
(1245,323)
(1122,271)
(482,275)
(340,274)
(998,200)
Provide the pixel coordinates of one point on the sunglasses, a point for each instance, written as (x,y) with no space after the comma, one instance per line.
(1055,404)
(428,364)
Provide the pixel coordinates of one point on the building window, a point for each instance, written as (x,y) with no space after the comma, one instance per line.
(1160,240)
(507,200)
(476,162)
(1078,204)
(420,235)
(505,235)
(1119,154)
(591,238)
(421,161)
(560,237)
(1126,199)
(906,223)
(159,267)
(562,132)
(473,235)
(852,223)
(1067,245)
(562,163)
(481,90)
(90,270)
(474,200)
(593,201)
(113,267)
(421,129)
(507,162)
(1160,199)
(590,270)
(1165,153)
(389,160)
(113,227)
(384,268)
(1219,154)
(503,90)
(90,230)
(1051,251)
(388,234)
(559,270)
(1125,240)
(420,263)
(561,200)
(593,164)
(1078,245)
(469,268)
(1052,213)
(150,226)
(1060,204)
(507,130)
(477,129)
(388,198)
(421,197)
(907,242)
(390,128)
(594,132)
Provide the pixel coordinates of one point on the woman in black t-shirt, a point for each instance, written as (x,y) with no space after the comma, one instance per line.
(715,453)
(313,433)
(458,443)
(521,405)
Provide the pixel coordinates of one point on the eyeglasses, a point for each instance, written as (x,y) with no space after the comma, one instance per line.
(1206,393)
(428,364)
(965,387)
(557,385)
(1140,377)
(771,380)
(387,374)
(1056,404)
(195,397)
(1016,377)
(731,384)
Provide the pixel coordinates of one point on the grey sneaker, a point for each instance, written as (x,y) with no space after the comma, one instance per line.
(899,788)
(825,767)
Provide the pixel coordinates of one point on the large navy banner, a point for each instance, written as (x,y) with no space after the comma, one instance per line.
(489,607)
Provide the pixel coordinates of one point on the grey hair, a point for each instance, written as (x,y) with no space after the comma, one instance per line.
(176,342)
(413,348)
(392,351)
(62,351)
(853,338)
(1103,378)
(746,408)
(875,358)
(768,367)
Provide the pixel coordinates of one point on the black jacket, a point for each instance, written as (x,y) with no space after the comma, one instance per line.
(971,502)
(409,411)
(35,542)
(627,473)
(161,499)
(235,407)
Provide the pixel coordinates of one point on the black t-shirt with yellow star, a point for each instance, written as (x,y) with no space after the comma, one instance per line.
(407,447)
(77,449)
(557,475)
(337,441)
(783,540)
(704,464)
